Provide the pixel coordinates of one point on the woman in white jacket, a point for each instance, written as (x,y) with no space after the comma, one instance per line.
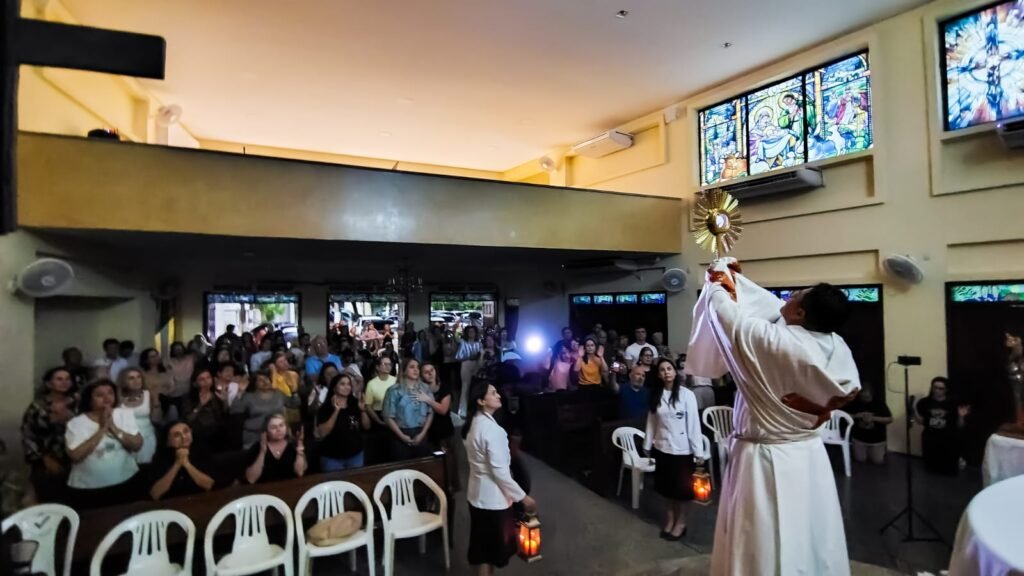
(492,490)
(673,430)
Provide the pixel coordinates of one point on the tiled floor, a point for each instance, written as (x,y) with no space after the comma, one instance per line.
(584,534)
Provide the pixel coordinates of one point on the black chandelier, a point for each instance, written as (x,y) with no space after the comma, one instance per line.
(403,282)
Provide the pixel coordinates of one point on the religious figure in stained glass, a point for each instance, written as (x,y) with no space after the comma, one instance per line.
(776,138)
(839,108)
(984,65)
(723,152)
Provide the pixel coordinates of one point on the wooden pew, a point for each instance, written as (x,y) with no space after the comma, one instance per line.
(95,524)
(560,428)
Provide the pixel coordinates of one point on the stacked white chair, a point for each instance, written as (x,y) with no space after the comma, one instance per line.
(40,523)
(834,433)
(706,444)
(402,517)
(330,501)
(624,438)
(719,419)
(149,544)
(251,551)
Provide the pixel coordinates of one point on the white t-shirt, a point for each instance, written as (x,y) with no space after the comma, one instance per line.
(634,349)
(109,463)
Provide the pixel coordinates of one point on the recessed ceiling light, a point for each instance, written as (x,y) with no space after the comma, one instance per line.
(406,101)
(726,44)
(622,13)
(385,134)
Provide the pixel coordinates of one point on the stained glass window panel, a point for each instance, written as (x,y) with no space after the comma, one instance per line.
(722,143)
(839,109)
(625,299)
(988,293)
(653,298)
(983,56)
(604,299)
(581,300)
(775,116)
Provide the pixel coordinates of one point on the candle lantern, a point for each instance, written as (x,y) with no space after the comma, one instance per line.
(701,486)
(529,538)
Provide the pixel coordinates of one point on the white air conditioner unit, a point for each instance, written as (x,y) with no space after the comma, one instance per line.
(1012,134)
(604,144)
(798,180)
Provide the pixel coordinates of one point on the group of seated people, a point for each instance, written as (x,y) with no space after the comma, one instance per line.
(240,411)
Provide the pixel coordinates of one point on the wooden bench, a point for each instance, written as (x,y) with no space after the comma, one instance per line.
(95,524)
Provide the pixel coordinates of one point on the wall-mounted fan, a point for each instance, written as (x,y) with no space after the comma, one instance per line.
(42,278)
(903,269)
(674,280)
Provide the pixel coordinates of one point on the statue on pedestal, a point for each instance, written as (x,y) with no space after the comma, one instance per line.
(1015,375)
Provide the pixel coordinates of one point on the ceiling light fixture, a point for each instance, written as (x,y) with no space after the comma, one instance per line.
(726,44)
(622,14)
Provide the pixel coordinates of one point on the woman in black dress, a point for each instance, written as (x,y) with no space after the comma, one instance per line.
(442,429)
(342,420)
(276,456)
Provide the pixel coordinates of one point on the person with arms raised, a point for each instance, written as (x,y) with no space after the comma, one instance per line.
(779,510)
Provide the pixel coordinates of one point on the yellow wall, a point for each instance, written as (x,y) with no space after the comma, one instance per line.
(953,203)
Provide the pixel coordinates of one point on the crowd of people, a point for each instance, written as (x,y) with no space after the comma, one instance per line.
(248,408)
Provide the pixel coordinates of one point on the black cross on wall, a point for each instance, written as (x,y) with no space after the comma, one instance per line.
(41,43)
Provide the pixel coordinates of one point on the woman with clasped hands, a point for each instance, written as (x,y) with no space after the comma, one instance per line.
(101,442)
(179,470)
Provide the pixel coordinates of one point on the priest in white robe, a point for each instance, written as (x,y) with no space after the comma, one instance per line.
(779,511)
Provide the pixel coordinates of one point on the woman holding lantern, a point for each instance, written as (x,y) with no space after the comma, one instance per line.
(491,491)
(673,431)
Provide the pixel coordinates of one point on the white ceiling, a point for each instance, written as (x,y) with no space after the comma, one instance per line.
(484,84)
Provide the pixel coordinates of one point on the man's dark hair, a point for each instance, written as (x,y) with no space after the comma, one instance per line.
(127,345)
(826,308)
(110,341)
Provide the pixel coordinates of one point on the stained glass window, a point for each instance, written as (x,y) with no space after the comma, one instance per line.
(776,118)
(653,298)
(625,299)
(817,114)
(581,300)
(853,293)
(988,293)
(604,299)
(983,64)
(839,108)
(723,148)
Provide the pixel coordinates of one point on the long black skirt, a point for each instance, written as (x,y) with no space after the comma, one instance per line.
(673,475)
(492,536)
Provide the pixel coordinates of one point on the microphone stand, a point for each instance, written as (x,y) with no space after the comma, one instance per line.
(909,511)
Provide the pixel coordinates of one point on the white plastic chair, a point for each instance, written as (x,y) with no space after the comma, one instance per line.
(719,419)
(833,433)
(330,501)
(624,438)
(40,523)
(251,551)
(706,445)
(403,518)
(149,544)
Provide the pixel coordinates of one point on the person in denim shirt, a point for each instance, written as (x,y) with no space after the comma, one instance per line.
(408,417)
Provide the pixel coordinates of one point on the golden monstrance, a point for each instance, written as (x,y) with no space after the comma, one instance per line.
(717,224)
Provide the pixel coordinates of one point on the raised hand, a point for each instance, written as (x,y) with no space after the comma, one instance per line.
(263,443)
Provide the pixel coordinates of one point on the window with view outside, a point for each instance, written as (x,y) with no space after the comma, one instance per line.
(251,312)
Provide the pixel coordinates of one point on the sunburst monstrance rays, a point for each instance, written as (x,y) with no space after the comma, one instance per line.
(717,223)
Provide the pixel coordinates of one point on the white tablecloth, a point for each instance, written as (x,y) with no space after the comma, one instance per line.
(990,539)
(1004,458)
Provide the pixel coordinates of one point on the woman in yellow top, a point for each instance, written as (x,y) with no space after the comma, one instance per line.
(287,381)
(590,366)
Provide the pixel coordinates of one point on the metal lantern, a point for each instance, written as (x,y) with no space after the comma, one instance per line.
(701,486)
(529,538)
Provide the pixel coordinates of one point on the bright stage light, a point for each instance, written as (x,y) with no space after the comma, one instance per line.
(534,344)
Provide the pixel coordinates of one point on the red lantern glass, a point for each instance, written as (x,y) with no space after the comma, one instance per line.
(529,539)
(701,486)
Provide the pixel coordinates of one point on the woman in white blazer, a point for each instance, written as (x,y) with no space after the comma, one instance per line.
(491,491)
